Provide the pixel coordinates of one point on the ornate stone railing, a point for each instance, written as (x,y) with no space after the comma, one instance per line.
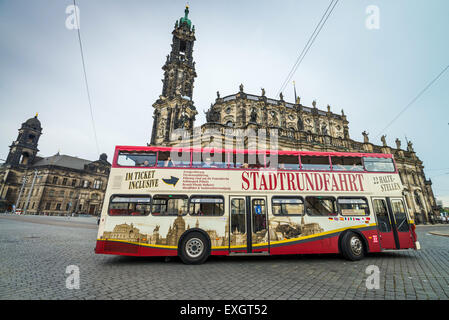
(297,138)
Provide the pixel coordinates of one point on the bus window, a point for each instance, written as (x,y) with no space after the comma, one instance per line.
(347,164)
(285,162)
(320,206)
(196,160)
(259,218)
(247,161)
(136,159)
(315,163)
(169,205)
(287,206)
(353,206)
(238,161)
(165,159)
(399,215)
(129,206)
(378,164)
(209,160)
(206,206)
(383,221)
(238,216)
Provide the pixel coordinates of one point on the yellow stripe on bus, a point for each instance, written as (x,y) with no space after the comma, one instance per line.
(243,246)
(321,234)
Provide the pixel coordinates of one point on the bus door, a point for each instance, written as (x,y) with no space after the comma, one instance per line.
(399,213)
(248,232)
(392,224)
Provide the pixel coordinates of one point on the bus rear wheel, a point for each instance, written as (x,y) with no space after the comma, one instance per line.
(194,248)
(352,246)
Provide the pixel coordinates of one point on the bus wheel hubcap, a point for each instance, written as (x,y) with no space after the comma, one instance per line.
(356,246)
(194,247)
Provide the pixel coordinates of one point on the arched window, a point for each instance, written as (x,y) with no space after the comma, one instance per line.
(31,138)
(400,176)
(94,196)
(407,198)
(24,158)
(417,198)
(300,124)
(230,123)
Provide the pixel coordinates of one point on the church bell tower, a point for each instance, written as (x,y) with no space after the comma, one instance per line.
(23,151)
(175,109)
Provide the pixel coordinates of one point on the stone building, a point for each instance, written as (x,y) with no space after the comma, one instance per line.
(55,185)
(298,127)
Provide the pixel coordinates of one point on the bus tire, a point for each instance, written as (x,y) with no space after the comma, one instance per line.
(194,248)
(352,247)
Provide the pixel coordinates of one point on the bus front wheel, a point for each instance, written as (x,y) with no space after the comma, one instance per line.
(352,246)
(194,248)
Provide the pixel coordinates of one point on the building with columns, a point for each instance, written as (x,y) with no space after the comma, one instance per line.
(55,185)
(298,127)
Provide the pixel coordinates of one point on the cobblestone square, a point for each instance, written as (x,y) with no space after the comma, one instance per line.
(36,251)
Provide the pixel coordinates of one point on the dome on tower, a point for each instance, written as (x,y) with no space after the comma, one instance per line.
(34,123)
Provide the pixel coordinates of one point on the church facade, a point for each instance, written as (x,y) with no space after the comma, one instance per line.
(296,126)
(55,185)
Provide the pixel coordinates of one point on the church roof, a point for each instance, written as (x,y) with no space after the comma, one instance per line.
(62,161)
(275,102)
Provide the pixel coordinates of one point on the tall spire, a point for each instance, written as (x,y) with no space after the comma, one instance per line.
(179,67)
(185,19)
(175,108)
(294,87)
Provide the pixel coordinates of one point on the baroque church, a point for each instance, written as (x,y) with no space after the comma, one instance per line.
(55,185)
(298,127)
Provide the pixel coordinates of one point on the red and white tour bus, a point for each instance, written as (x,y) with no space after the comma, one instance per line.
(193,203)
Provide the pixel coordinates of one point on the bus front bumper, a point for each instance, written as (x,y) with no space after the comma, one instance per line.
(417,245)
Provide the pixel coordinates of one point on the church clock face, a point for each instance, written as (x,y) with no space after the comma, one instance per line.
(228,110)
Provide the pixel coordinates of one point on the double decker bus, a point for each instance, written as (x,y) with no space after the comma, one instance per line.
(193,203)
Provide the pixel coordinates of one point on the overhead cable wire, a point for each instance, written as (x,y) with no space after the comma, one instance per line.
(414,99)
(85,77)
(309,43)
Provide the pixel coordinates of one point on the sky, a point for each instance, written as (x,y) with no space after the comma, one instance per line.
(373,74)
